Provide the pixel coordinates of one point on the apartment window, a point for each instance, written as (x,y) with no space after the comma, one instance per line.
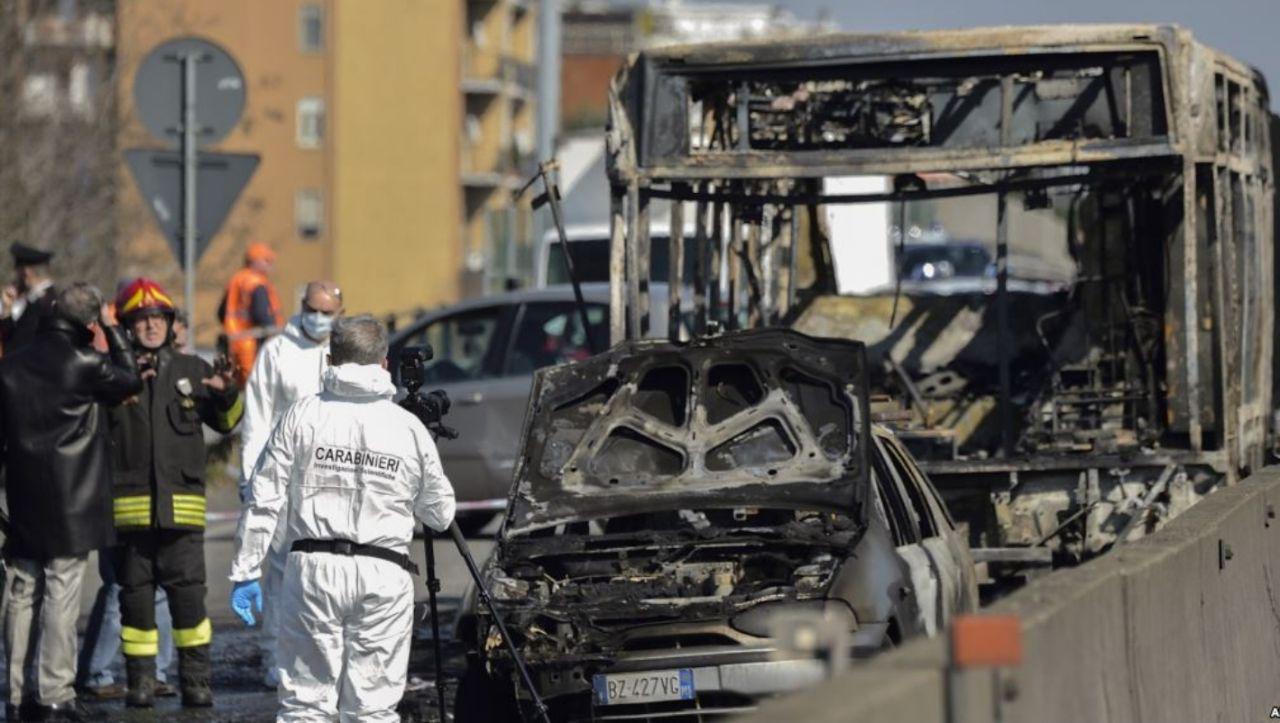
(40,94)
(309,213)
(310,122)
(311,28)
(80,89)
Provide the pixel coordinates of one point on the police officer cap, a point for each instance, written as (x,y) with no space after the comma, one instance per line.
(24,255)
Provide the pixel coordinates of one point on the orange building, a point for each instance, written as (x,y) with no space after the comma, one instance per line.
(358,110)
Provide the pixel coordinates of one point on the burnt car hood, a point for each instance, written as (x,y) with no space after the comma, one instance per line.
(769,418)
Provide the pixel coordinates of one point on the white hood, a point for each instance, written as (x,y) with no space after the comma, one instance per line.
(359,381)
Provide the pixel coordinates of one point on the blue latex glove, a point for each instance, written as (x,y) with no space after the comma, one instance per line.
(246,597)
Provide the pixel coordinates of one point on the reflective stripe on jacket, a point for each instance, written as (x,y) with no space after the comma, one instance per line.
(158,449)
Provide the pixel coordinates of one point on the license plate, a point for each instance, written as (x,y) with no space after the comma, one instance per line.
(653,686)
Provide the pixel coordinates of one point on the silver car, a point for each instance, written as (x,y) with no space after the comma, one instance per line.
(486,351)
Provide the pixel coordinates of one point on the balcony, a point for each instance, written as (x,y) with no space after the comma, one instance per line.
(491,181)
(486,74)
(89,31)
(503,168)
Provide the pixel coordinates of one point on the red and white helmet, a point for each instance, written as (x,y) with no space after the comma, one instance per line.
(143,294)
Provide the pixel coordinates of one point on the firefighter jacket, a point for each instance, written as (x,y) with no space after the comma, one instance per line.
(158,444)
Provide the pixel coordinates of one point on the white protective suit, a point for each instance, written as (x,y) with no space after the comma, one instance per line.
(288,368)
(347,464)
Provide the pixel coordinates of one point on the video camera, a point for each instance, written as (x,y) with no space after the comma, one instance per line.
(430,407)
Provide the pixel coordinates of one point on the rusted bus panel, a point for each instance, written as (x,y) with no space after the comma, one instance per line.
(754,165)
(1151,151)
(1138,113)
(676,280)
(949,104)
(867,102)
(1008,40)
(1180,298)
(1139,118)
(617,266)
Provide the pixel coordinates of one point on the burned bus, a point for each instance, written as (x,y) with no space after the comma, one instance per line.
(1056,243)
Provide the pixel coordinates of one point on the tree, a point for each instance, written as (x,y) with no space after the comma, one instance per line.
(59,159)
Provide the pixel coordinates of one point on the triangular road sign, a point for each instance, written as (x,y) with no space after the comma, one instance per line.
(219,179)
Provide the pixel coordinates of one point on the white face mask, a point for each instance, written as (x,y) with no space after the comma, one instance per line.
(317,325)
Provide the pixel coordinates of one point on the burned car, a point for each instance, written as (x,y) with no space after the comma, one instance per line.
(685,517)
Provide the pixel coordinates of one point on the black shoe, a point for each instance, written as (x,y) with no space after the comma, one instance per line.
(112,691)
(193,677)
(71,711)
(141,670)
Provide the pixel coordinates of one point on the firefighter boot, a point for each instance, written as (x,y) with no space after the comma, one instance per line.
(193,676)
(141,670)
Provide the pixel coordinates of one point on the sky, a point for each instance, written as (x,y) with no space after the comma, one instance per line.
(1246,29)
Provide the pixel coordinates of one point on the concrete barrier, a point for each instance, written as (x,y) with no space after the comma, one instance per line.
(1183,625)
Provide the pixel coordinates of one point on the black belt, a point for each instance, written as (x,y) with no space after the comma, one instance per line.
(355,549)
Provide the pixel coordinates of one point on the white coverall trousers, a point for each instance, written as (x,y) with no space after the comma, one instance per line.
(272,587)
(343,640)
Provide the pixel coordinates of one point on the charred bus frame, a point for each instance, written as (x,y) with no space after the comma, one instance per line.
(1168,140)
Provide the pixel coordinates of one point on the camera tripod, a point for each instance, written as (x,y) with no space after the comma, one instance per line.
(430,409)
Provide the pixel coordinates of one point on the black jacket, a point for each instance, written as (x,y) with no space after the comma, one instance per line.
(53,428)
(14,335)
(158,449)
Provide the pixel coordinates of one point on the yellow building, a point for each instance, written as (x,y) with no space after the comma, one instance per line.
(358,109)
(498,81)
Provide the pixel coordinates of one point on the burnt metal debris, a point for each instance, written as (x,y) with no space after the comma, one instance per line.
(676,504)
(659,423)
(1109,397)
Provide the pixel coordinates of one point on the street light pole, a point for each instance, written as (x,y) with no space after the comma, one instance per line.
(548,111)
(189,161)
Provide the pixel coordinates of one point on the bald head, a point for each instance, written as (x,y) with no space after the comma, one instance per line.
(323,296)
(321,304)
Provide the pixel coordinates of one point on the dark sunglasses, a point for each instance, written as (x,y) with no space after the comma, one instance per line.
(308,308)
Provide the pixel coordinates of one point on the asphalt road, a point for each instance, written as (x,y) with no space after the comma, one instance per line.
(239,694)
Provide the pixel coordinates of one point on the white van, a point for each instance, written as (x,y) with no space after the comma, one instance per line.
(591,254)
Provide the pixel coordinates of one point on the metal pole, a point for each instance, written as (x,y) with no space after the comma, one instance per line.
(617,265)
(1003,342)
(548,77)
(733,257)
(548,93)
(702,258)
(675,266)
(189,161)
(553,200)
(632,271)
(897,260)
(433,587)
(1004,346)
(483,593)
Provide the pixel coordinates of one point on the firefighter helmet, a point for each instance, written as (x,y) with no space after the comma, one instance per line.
(143,294)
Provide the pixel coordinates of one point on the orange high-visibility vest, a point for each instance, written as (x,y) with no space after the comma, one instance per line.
(238,320)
